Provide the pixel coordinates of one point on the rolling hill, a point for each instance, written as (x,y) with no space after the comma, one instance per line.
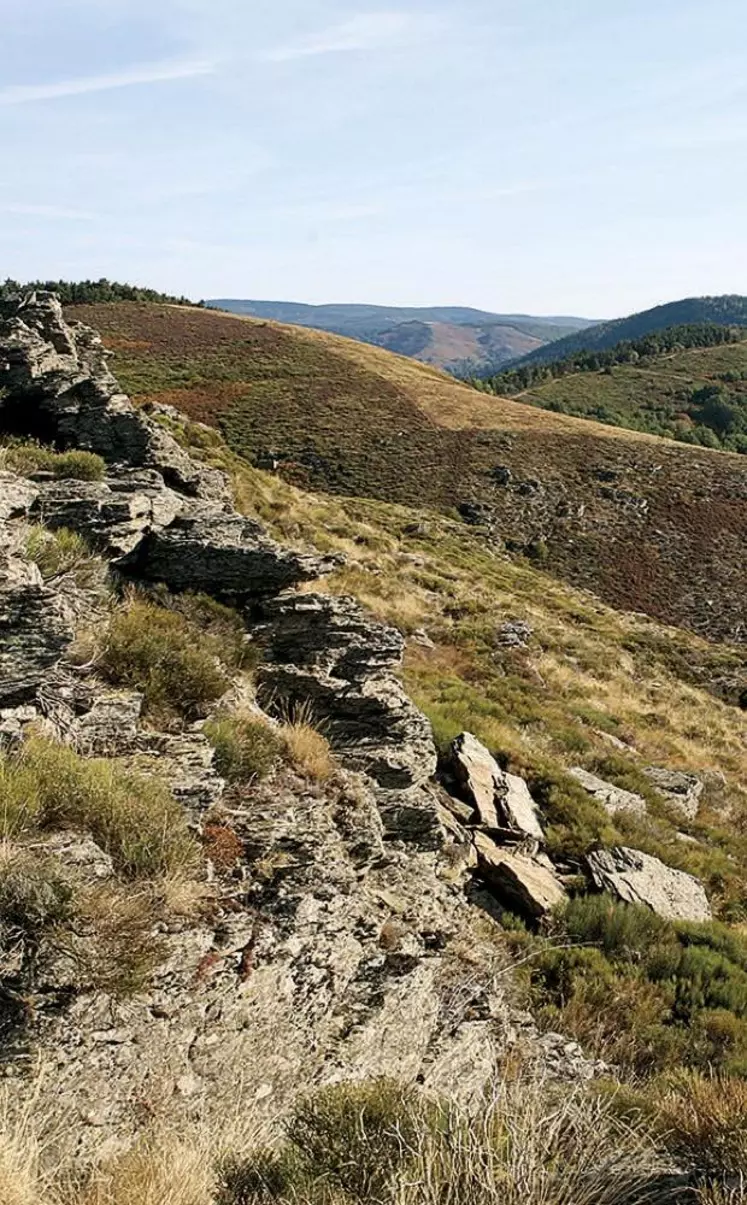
(649,525)
(687,383)
(727,310)
(456,338)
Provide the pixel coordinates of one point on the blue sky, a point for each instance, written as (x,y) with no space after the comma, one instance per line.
(549,156)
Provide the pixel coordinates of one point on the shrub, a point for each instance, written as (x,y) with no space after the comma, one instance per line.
(58,552)
(379,1143)
(703,1122)
(135,819)
(246,748)
(161,653)
(118,952)
(27,456)
(624,932)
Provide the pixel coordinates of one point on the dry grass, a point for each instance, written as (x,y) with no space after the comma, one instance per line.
(161,1170)
(308,750)
(531,1143)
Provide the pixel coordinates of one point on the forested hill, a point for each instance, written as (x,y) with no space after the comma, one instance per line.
(687,382)
(727,310)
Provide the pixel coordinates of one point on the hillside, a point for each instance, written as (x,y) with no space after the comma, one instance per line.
(686,383)
(649,525)
(342,853)
(458,349)
(728,310)
(455,338)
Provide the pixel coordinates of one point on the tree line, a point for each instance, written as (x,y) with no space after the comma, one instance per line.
(90,292)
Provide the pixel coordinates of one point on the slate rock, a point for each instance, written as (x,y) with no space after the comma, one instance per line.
(638,878)
(211,550)
(613,799)
(526,885)
(501,801)
(681,790)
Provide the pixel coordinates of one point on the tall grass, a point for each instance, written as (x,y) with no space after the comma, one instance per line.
(134,818)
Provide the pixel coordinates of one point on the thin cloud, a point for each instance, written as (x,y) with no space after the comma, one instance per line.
(147,73)
(47,211)
(367,31)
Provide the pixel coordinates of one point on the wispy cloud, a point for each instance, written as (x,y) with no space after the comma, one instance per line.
(367,31)
(145,73)
(46,211)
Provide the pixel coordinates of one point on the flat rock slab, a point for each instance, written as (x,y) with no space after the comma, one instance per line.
(501,801)
(681,790)
(524,884)
(638,878)
(211,550)
(613,799)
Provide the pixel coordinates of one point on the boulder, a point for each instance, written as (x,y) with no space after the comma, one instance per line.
(638,878)
(211,550)
(514,634)
(501,801)
(613,799)
(681,790)
(525,884)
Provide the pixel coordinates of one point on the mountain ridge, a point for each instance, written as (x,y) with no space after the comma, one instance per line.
(725,309)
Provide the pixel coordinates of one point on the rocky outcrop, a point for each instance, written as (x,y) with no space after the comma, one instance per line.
(55,384)
(682,791)
(113,515)
(613,799)
(500,800)
(638,878)
(326,657)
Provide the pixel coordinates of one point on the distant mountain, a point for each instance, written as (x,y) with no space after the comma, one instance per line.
(727,310)
(456,338)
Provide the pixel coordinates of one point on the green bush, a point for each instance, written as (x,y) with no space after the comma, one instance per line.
(27,456)
(641,991)
(624,932)
(133,818)
(380,1143)
(246,748)
(169,659)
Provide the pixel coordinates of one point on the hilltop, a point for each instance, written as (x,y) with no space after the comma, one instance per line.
(726,310)
(648,525)
(456,338)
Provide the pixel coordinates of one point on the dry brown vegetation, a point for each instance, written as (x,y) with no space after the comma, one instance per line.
(649,525)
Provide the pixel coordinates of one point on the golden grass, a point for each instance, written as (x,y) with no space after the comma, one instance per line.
(308,750)
(444,400)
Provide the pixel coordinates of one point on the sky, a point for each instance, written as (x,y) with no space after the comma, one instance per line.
(541,156)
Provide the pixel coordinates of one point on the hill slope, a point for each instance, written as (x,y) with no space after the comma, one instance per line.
(696,394)
(727,310)
(456,338)
(648,525)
